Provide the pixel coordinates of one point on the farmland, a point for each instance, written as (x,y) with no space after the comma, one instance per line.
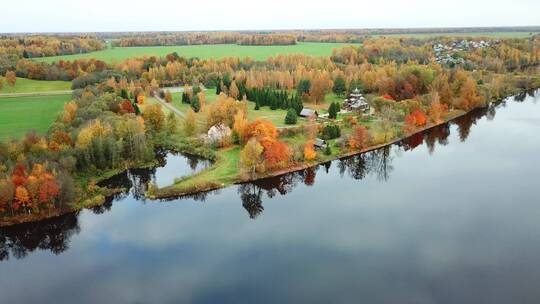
(19,115)
(118,54)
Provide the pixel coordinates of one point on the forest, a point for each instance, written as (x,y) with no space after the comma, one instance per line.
(115,119)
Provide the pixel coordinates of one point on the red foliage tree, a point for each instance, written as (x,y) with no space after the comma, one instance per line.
(126,107)
(19,176)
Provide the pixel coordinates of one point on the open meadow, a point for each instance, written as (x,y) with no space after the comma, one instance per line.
(19,115)
(25,85)
(118,54)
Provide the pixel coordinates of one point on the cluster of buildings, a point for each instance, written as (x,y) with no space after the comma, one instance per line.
(356,102)
(444,52)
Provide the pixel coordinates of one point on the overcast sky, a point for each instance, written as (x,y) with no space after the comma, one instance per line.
(148,15)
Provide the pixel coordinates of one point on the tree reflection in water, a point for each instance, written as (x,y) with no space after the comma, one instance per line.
(53,235)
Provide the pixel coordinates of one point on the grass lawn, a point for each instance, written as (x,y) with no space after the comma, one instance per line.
(119,54)
(19,115)
(277,117)
(24,85)
(223,172)
(210,97)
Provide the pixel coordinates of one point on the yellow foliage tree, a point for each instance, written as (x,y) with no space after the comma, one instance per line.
(251,157)
(309,151)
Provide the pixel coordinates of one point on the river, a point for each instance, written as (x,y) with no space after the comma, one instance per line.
(448,216)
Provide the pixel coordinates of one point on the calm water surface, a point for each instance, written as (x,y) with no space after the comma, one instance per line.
(449,216)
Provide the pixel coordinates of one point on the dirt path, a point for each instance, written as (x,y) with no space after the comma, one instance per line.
(48,93)
(170,107)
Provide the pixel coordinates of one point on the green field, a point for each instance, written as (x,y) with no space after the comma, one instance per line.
(119,54)
(24,85)
(18,115)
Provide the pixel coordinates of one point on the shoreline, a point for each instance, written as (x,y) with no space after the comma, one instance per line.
(212,186)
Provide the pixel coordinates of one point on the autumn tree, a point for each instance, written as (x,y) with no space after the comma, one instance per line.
(387,121)
(70,110)
(441,84)
(320,86)
(469,97)
(262,130)
(233,90)
(7,191)
(22,198)
(276,154)
(168,96)
(1,84)
(141,99)
(309,150)
(126,107)
(251,157)
(202,99)
(437,110)
(11,78)
(240,126)
(223,110)
(358,138)
(154,117)
(95,129)
(190,122)
(19,176)
(172,124)
(414,120)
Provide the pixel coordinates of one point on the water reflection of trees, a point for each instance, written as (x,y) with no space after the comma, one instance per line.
(52,234)
(378,163)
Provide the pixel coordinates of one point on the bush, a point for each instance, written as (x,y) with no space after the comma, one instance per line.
(291,118)
(328,151)
(331,132)
(333,110)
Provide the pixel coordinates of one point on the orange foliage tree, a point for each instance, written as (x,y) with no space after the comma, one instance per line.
(262,130)
(359,137)
(309,150)
(276,154)
(469,97)
(415,119)
(11,78)
(437,109)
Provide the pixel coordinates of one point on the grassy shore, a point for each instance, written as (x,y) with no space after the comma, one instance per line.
(118,54)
